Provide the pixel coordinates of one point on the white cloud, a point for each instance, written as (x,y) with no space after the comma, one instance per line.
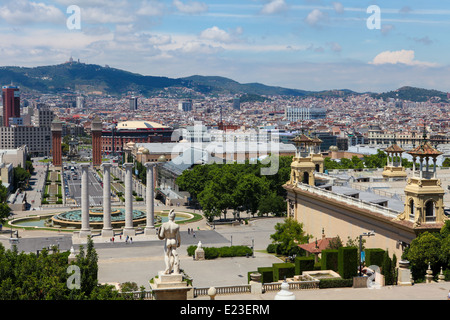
(274,6)
(338,7)
(151,8)
(25,12)
(316,17)
(191,7)
(216,34)
(406,57)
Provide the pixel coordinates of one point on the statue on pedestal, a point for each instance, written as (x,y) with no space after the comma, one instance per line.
(170,231)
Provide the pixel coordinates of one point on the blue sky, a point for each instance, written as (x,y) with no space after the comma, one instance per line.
(303,44)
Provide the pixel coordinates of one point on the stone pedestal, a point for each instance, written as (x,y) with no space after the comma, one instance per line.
(284,293)
(170,287)
(199,252)
(360,282)
(404,274)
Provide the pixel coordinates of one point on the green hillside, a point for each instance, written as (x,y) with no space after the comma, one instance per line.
(414,94)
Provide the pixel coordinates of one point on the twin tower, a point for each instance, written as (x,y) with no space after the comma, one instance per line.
(96,131)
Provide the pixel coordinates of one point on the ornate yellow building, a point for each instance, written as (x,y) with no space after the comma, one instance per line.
(343,211)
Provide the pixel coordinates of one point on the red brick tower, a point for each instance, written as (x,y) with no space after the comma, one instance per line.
(56,143)
(96,129)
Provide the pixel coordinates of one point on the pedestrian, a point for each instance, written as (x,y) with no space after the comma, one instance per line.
(189,230)
(194,234)
(131,240)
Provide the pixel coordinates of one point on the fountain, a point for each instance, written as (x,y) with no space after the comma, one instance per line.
(73,218)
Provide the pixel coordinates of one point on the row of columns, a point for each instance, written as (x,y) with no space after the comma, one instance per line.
(425,163)
(128,229)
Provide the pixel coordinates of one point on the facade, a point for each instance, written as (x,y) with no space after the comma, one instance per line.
(133,103)
(115,139)
(185,105)
(11,104)
(37,139)
(340,210)
(295,114)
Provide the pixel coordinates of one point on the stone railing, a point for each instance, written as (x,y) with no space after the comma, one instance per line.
(232,289)
(293,285)
(350,200)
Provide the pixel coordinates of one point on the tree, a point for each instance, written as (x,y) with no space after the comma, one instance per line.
(335,243)
(424,250)
(446,162)
(5,211)
(288,235)
(272,204)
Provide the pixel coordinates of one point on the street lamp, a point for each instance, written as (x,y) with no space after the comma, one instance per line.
(365,234)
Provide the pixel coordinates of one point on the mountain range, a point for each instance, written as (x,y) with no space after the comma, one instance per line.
(76,76)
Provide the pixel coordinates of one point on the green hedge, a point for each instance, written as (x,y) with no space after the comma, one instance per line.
(329,260)
(282,270)
(213,252)
(266,274)
(348,262)
(303,264)
(374,257)
(335,283)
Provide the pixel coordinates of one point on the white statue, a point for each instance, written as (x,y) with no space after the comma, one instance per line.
(171,232)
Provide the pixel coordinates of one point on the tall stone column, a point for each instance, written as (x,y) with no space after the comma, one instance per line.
(149,199)
(85,229)
(56,129)
(107,230)
(96,130)
(129,229)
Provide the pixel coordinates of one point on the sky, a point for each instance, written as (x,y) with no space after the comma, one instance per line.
(360,45)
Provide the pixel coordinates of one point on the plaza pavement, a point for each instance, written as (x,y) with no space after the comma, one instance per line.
(141,260)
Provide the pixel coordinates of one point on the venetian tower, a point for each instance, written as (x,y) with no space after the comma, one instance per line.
(96,130)
(307,160)
(56,129)
(424,194)
(393,168)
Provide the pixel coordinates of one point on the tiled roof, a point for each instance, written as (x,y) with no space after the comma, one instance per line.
(394,148)
(425,149)
(316,246)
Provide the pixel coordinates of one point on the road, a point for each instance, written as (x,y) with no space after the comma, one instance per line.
(73,185)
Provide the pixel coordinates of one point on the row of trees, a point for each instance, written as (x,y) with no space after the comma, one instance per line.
(218,188)
(378,160)
(45,276)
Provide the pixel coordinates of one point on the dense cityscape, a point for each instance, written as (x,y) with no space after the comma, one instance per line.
(115,185)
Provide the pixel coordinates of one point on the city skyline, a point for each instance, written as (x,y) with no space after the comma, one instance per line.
(308,45)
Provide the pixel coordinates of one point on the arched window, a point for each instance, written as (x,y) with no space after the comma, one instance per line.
(430,211)
(306,178)
(411,208)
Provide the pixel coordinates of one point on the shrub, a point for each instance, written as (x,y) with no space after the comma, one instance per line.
(329,260)
(335,283)
(272,248)
(303,264)
(213,252)
(283,270)
(266,274)
(374,257)
(348,262)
